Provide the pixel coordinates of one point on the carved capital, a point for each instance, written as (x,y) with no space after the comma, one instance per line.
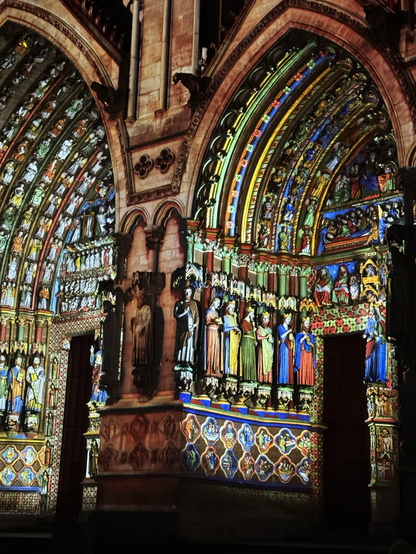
(283,269)
(123,243)
(154,236)
(211,245)
(261,267)
(305,271)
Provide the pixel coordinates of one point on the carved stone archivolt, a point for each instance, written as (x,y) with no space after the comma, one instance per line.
(392,59)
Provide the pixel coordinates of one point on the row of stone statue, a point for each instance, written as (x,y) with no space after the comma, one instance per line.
(243,350)
(20,388)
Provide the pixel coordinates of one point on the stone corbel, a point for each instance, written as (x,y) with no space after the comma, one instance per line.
(154,238)
(123,244)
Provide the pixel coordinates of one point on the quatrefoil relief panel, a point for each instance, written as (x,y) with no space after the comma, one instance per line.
(164,160)
(143,166)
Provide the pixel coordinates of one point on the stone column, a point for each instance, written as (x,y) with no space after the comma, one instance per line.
(293,281)
(244,260)
(209,268)
(406,354)
(123,245)
(282,271)
(226,262)
(304,273)
(189,230)
(154,238)
(271,278)
(3,331)
(21,321)
(113,322)
(260,270)
(13,328)
(39,327)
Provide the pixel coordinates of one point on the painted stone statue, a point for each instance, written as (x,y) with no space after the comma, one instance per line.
(212,350)
(248,346)
(375,349)
(265,342)
(16,380)
(141,329)
(305,354)
(4,370)
(285,351)
(97,395)
(186,313)
(323,287)
(231,340)
(341,290)
(35,379)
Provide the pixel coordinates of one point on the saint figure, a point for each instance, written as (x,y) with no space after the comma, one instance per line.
(341,290)
(322,288)
(285,351)
(265,341)
(35,379)
(16,380)
(212,349)
(305,358)
(231,340)
(4,370)
(375,349)
(248,346)
(186,313)
(141,329)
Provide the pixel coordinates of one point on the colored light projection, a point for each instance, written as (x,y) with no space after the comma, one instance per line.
(55,172)
(345,297)
(277,105)
(245,451)
(56,247)
(294,200)
(20,467)
(324,141)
